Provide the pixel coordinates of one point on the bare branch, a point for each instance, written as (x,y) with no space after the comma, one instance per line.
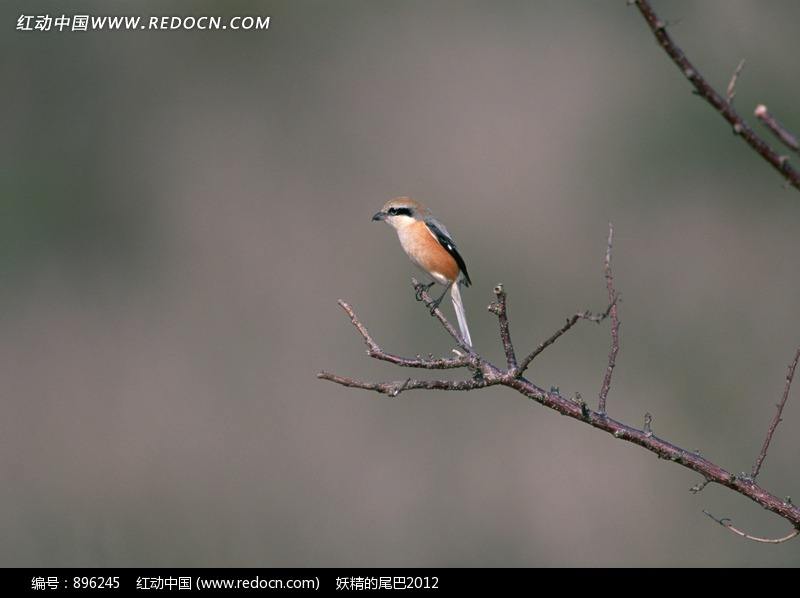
(374,350)
(727,524)
(720,104)
(486,374)
(777,128)
(777,419)
(612,300)
(501,310)
(571,321)
(662,448)
(393,389)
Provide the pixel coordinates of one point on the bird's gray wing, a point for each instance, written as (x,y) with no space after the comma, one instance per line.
(445,240)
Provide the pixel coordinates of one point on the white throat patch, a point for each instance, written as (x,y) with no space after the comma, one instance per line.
(400,221)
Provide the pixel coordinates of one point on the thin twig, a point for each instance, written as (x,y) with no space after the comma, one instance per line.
(612,300)
(727,524)
(731,92)
(374,350)
(777,419)
(710,95)
(500,308)
(570,322)
(777,128)
(393,389)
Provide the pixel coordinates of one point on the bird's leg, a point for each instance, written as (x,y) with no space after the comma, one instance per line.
(435,303)
(423,288)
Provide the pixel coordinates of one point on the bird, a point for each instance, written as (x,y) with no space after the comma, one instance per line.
(428,244)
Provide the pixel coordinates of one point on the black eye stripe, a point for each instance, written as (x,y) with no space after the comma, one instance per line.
(399,211)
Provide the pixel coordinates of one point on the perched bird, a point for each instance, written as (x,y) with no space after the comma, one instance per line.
(429,245)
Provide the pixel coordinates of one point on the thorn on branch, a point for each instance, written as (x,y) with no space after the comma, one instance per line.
(662,26)
(728,524)
(585,411)
(731,92)
(648,421)
(699,486)
(400,388)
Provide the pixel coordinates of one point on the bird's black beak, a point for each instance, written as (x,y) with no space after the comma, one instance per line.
(378,217)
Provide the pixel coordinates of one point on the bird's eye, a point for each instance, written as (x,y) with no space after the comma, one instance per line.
(392,211)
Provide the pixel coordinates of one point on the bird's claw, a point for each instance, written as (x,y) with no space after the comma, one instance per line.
(422,288)
(434,305)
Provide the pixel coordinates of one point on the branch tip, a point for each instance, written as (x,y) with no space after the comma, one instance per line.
(500,309)
(728,524)
(612,311)
(790,370)
(776,128)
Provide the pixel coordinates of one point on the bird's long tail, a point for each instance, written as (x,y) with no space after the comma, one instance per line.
(458,305)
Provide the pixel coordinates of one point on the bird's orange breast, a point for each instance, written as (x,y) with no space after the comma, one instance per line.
(426,251)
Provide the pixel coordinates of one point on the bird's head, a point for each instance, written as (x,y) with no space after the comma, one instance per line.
(400,212)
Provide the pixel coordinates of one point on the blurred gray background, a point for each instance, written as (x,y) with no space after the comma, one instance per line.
(180,212)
